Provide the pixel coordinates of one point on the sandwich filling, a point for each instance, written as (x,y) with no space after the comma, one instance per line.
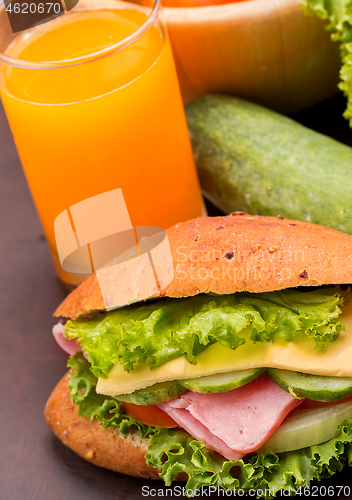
(132,351)
(155,333)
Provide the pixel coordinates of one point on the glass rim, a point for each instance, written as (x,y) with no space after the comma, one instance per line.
(99,54)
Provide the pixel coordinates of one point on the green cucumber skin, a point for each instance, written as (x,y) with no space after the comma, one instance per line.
(159,393)
(255,160)
(313,387)
(166,391)
(206,385)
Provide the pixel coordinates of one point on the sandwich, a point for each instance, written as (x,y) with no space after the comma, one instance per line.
(236,375)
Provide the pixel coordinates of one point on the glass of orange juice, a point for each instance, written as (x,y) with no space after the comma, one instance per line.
(93,102)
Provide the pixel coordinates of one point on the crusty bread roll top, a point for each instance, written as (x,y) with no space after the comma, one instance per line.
(237,253)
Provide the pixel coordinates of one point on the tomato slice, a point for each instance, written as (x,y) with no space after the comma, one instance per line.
(149,415)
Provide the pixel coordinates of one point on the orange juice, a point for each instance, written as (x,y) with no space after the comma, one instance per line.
(116,122)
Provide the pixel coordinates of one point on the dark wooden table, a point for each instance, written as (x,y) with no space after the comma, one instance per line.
(34,465)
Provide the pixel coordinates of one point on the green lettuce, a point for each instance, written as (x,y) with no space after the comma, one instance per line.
(105,409)
(158,331)
(339,15)
(174,450)
(268,472)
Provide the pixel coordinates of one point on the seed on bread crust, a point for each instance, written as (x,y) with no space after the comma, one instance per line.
(325,254)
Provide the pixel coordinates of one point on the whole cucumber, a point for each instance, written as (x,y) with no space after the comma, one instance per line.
(255,160)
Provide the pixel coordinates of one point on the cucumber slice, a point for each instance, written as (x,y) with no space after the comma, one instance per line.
(165,391)
(158,393)
(221,382)
(316,387)
(308,427)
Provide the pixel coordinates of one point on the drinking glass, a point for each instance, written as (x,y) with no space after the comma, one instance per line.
(93,102)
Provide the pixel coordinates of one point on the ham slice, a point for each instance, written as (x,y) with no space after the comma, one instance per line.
(69,346)
(243,419)
(190,424)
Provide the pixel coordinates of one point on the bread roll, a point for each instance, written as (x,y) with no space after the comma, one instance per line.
(103,447)
(237,253)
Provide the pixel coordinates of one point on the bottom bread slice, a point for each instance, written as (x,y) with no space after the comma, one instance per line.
(103,447)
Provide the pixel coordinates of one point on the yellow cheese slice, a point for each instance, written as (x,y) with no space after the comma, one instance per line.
(300,356)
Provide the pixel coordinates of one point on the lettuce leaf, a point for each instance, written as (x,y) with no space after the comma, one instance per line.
(165,329)
(107,410)
(339,14)
(268,472)
(174,450)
